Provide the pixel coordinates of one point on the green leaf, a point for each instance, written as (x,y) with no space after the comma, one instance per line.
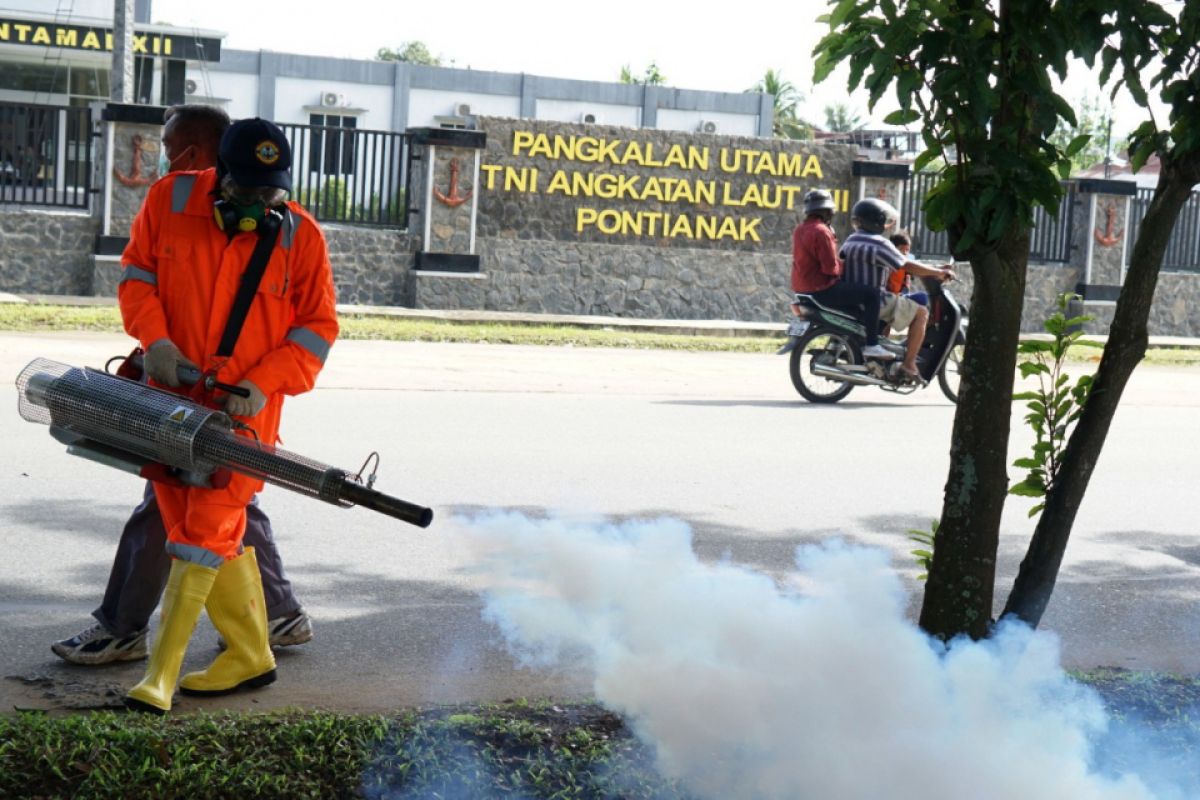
(1027,463)
(841,11)
(1029,368)
(903,117)
(1077,144)
(1033,512)
(1028,489)
(925,159)
(1108,60)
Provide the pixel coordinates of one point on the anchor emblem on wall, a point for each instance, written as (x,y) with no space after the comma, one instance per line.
(1108,238)
(135,177)
(454,199)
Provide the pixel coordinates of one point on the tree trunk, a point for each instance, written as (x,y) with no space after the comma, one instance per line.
(1125,348)
(958,592)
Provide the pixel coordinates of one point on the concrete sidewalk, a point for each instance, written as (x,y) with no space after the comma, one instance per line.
(681,327)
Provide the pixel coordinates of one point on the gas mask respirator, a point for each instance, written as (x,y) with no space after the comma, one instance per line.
(243,209)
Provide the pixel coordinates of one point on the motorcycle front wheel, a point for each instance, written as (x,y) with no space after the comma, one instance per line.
(949,377)
(822,348)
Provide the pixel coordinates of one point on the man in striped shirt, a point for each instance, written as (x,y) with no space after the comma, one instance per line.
(869,258)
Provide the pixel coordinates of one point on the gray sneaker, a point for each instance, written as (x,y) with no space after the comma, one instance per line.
(288,631)
(285,631)
(95,645)
(877,351)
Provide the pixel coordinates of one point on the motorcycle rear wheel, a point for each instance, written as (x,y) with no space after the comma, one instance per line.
(820,346)
(950,376)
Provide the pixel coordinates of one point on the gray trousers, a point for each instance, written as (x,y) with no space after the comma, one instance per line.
(141,567)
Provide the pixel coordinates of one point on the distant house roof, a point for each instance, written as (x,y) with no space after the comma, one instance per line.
(1118,169)
(894,140)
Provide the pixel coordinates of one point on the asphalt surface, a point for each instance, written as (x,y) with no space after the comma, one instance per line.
(719,440)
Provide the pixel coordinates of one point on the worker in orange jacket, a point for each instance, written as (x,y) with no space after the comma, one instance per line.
(188,248)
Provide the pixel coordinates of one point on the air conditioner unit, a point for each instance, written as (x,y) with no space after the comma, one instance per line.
(332,99)
(706,126)
(462,110)
(589,118)
(190,86)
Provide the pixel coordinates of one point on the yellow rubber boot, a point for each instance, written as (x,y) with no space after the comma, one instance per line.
(238,611)
(187,589)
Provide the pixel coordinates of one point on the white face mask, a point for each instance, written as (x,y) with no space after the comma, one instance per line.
(165,165)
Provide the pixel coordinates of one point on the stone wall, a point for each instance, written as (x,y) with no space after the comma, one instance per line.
(371,266)
(612,280)
(1043,284)
(45,251)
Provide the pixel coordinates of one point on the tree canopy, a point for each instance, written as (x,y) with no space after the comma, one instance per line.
(652,76)
(413,52)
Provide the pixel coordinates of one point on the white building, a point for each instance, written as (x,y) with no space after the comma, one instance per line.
(58,52)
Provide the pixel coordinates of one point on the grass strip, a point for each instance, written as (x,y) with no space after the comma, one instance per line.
(31,317)
(514,749)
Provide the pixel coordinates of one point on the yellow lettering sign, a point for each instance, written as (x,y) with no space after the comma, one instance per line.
(812,167)
(66,37)
(612,222)
(91,41)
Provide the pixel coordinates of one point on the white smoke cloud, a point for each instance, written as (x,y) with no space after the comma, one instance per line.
(818,689)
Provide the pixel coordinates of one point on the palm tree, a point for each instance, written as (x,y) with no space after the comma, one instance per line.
(787,125)
(840,118)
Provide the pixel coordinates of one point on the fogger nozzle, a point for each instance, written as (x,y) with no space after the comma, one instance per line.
(165,428)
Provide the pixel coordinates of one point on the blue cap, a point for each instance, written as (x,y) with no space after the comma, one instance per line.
(256,153)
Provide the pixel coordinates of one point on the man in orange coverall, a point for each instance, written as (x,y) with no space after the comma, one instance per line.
(188,248)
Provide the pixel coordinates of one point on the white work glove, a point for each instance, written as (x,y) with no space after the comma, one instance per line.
(162,362)
(246,406)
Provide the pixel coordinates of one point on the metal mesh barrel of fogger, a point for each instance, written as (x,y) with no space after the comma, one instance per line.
(273,465)
(131,416)
(172,430)
(162,427)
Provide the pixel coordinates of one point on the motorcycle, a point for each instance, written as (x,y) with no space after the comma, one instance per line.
(826,345)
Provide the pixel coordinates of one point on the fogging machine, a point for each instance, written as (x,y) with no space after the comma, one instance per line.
(166,437)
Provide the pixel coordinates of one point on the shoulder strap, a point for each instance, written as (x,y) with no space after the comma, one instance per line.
(251,277)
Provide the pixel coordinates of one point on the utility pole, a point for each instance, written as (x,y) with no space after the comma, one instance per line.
(121,84)
(1108,147)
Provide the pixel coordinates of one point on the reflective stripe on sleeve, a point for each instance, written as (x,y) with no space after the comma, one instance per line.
(180,192)
(132,273)
(310,342)
(194,554)
(288,233)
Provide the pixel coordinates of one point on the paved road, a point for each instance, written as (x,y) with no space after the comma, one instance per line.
(718,440)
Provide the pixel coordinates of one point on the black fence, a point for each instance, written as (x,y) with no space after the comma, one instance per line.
(348,175)
(1183,248)
(46,155)
(1050,242)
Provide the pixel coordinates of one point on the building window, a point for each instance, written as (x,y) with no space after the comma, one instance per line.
(332,151)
